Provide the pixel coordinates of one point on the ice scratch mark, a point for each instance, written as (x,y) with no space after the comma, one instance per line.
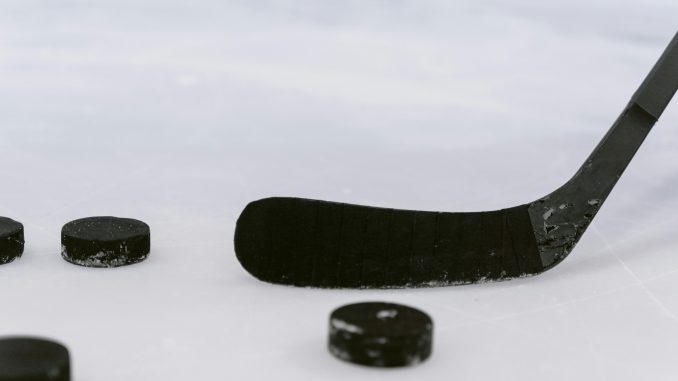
(639,282)
(588,335)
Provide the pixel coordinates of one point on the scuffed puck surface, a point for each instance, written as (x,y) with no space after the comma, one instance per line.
(31,359)
(105,241)
(380,334)
(11,240)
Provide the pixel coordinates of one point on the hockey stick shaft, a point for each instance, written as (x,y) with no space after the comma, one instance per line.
(562,217)
(656,91)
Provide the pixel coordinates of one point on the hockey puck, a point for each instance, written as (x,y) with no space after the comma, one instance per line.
(380,334)
(31,359)
(11,240)
(105,241)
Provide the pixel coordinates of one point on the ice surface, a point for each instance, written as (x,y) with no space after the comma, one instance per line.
(178,113)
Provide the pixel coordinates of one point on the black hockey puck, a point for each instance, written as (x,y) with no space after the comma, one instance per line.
(11,240)
(31,359)
(105,241)
(380,334)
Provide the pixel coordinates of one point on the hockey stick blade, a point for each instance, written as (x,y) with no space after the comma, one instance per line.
(313,243)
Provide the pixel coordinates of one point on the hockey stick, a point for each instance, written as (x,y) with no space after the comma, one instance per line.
(314,243)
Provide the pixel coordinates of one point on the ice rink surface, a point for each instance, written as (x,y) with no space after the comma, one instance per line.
(179,113)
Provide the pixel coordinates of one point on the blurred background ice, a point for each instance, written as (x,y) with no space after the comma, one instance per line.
(180,112)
